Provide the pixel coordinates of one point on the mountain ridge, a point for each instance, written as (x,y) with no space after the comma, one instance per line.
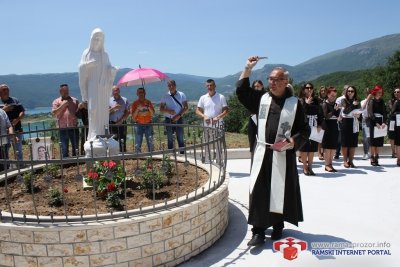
(38,90)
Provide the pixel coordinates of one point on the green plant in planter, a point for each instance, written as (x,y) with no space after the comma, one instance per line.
(106,177)
(113,198)
(151,174)
(52,169)
(167,167)
(27,177)
(54,197)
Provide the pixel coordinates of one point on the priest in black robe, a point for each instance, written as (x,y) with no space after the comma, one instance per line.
(260,215)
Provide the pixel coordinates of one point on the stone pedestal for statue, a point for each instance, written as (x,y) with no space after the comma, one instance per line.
(101,146)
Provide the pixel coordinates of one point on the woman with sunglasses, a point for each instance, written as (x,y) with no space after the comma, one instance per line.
(314,114)
(350,126)
(395,113)
(330,141)
(377,118)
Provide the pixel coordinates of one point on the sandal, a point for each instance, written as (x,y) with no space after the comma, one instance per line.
(330,169)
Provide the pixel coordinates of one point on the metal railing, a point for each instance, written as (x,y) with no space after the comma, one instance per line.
(204,147)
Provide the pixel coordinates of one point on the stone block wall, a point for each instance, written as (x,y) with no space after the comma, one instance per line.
(164,238)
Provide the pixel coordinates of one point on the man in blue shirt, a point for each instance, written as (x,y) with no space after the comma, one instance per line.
(174,105)
(119,112)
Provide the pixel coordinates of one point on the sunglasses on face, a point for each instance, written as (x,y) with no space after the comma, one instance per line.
(275,79)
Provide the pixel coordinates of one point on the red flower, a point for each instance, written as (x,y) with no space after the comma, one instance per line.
(110,187)
(150,166)
(112,164)
(92,174)
(109,164)
(65,190)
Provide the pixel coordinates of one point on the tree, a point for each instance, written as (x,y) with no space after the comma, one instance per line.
(238,116)
(393,71)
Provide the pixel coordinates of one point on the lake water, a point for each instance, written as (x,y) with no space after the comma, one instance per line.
(40,125)
(33,111)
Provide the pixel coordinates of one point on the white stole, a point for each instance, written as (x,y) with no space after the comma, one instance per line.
(278,173)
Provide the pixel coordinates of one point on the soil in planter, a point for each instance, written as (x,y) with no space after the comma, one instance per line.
(78,200)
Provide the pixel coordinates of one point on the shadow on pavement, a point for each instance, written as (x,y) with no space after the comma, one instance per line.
(238,174)
(233,236)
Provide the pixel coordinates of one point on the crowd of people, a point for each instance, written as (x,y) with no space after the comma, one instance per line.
(340,122)
(347,118)
(68,110)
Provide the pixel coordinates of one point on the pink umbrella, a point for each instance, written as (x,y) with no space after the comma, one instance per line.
(141,76)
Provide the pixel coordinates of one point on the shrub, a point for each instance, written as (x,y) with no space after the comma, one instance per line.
(52,169)
(28,179)
(106,177)
(151,175)
(167,167)
(113,199)
(54,197)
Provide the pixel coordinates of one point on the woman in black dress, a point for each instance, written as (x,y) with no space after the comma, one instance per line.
(314,115)
(350,126)
(323,92)
(391,120)
(377,118)
(395,112)
(252,126)
(330,141)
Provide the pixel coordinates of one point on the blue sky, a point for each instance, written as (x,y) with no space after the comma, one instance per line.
(208,37)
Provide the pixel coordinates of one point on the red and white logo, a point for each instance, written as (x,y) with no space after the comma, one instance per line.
(290,247)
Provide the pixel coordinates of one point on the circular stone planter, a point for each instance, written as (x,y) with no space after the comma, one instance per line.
(167,237)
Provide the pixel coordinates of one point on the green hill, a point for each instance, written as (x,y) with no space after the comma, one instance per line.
(365,55)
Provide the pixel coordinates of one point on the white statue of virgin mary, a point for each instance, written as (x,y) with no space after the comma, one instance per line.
(96,77)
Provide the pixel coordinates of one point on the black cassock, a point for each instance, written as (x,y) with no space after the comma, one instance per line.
(259,214)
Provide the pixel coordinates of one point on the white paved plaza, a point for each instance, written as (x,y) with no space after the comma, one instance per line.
(353,206)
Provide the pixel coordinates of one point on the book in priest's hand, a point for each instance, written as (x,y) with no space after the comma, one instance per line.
(281,145)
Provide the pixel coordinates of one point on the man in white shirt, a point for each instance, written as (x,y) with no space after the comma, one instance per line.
(5,128)
(212,108)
